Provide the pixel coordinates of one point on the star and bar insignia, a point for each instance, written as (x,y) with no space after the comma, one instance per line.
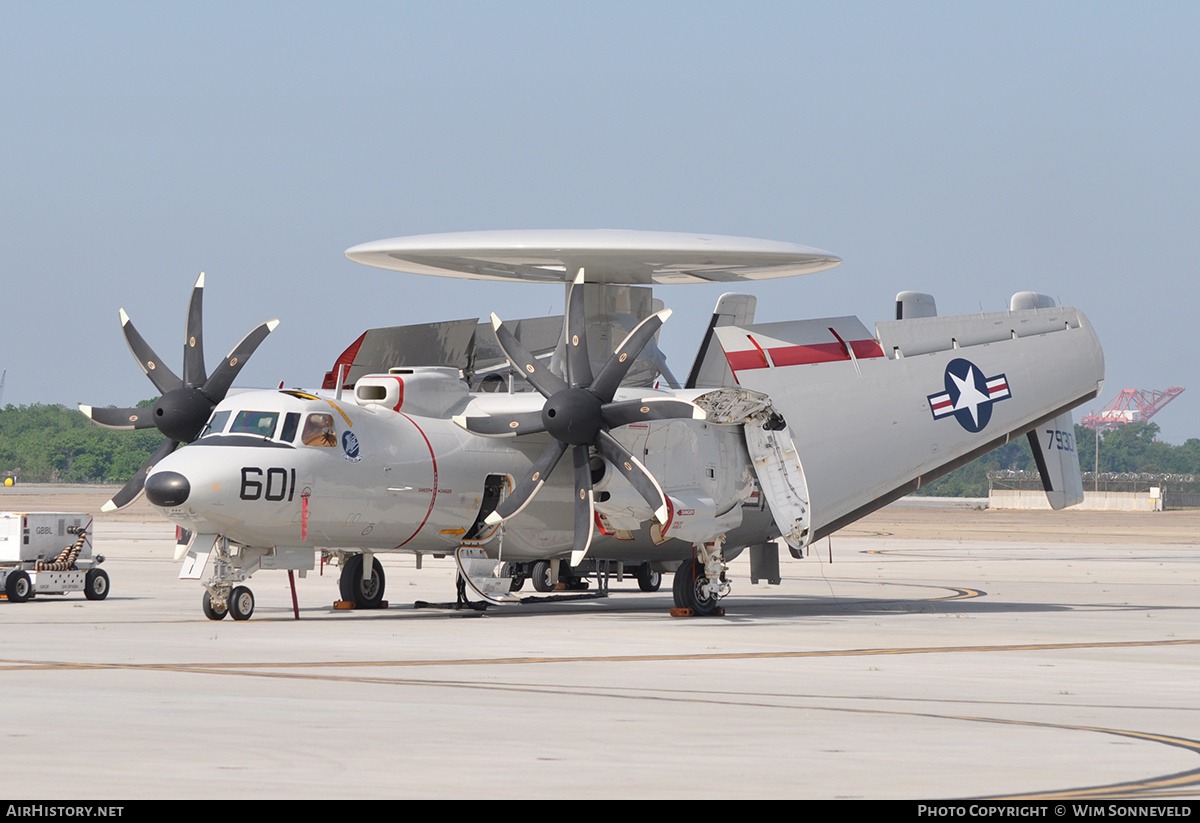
(969,395)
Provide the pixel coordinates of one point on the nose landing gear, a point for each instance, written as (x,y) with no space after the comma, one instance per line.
(241,603)
(238,603)
(232,565)
(215,608)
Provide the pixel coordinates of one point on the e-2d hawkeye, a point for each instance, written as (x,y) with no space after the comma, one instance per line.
(448,437)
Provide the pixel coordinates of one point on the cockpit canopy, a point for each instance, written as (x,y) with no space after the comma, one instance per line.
(314,426)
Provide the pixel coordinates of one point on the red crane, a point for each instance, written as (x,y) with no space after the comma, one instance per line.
(1131,406)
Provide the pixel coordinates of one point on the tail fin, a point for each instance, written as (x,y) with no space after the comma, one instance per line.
(1053,448)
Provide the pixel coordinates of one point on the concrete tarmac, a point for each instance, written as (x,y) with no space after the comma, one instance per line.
(942,654)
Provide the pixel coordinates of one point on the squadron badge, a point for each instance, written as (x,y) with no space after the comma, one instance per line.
(350,446)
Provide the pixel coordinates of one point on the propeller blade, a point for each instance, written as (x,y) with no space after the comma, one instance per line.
(529,484)
(132,490)
(541,378)
(126,419)
(579,366)
(217,385)
(193,341)
(162,377)
(585,504)
(633,471)
(614,371)
(502,425)
(649,408)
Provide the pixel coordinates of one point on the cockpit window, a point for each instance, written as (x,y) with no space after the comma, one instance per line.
(319,431)
(291,422)
(217,424)
(260,423)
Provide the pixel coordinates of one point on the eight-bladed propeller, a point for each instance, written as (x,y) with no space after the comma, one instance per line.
(578,413)
(185,404)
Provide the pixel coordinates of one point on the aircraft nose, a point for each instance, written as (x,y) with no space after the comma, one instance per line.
(167,489)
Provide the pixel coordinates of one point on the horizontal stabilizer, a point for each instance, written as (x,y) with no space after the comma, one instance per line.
(424,344)
(469,345)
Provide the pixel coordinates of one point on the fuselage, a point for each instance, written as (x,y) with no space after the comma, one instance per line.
(289,468)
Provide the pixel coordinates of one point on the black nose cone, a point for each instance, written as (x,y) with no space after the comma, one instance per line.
(167,489)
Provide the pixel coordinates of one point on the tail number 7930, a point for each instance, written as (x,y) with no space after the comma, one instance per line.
(1060,440)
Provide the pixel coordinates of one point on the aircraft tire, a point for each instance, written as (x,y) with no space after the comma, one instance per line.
(351,585)
(689,580)
(18,587)
(241,603)
(95,584)
(677,586)
(648,579)
(542,580)
(515,573)
(210,611)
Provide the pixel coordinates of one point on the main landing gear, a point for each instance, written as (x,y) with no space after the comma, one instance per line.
(648,578)
(573,578)
(700,582)
(365,592)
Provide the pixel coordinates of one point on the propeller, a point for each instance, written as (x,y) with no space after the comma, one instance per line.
(579,413)
(185,403)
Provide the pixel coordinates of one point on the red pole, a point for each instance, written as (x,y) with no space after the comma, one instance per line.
(295,603)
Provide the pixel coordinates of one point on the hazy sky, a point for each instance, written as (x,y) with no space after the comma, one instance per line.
(966,149)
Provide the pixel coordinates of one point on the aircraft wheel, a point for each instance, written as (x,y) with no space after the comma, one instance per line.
(212,612)
(517,575)
(18,587)
(648,579)
(241,603)
(363,594)
(542,579)
(677,585)
(690,590)
(95,584)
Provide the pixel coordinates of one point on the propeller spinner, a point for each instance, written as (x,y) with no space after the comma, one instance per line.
(185,403)
(579,413)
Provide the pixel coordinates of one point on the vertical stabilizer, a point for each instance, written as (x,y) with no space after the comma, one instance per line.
(710,368)
(1053,446)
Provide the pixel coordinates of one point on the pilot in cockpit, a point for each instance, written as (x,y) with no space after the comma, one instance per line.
(319,431)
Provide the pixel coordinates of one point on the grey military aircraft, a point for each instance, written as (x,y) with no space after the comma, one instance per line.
(447,438)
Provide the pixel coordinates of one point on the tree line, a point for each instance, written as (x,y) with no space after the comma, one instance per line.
(1134,447)
(54,444)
